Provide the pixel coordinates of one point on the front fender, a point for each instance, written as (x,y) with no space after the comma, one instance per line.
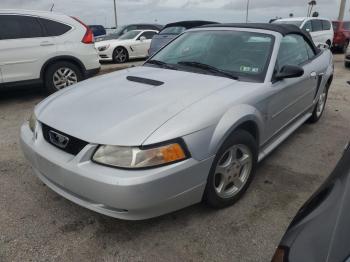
(231,120)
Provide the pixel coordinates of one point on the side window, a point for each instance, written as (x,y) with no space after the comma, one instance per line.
(148,35)
(54,28)
(307,26)
(316,25)
(17,27)
(346,25)
(310,50)
(326,25)
(292,51)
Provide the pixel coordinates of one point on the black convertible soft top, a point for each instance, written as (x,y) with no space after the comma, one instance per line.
(190,24)
(283,29)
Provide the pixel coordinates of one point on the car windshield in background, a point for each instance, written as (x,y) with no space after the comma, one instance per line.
(129,35)
(243,55)
(298,23)
(174,30)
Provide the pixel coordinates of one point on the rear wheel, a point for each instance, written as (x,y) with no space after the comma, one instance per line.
(61,75)
(320,106)
(232,170)
(120,55)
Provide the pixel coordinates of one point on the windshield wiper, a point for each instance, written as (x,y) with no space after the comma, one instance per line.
(208,68)
(160,63)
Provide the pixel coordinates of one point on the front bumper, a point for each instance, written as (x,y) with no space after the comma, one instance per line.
(125,194)
(105,55)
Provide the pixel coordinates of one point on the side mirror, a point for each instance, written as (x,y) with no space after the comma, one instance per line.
(290,71)
(142,38)
(323,46)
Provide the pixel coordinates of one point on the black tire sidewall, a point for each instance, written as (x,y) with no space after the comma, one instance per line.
(126,52)
(314,118)
(238,137)
(49,85)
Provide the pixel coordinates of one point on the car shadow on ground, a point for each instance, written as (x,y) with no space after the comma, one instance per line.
(22,94)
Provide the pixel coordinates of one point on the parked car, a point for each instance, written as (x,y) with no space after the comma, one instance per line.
(134,44)
(98,30)
(190,124)
(45,47)
(341,35)
(320,230)
(320,29)
(127,28)
(170,31)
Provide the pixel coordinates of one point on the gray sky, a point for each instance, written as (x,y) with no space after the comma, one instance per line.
(164,11)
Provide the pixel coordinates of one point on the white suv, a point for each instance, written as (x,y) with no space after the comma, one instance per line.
(45,47)
(320,29)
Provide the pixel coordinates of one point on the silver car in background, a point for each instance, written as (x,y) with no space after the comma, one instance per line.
(191,124)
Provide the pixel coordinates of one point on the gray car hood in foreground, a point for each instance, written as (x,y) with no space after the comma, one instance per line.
(113,110)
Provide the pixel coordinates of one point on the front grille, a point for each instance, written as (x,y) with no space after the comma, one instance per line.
(74,146)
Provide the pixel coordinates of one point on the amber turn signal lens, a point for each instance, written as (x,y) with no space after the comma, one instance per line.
(172,152)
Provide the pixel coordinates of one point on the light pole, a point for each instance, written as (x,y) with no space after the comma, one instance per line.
(341,10)
(311,6)
(115,14)
(247,12)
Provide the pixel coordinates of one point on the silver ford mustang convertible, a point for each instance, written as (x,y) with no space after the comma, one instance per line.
(191,124)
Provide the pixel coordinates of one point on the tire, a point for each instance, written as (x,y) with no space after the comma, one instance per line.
(319,107)
(120,55)
(347,64)
(60,75)
(345,47)
(245,146)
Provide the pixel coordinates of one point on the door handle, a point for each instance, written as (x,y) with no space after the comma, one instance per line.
(313,74)
(46,43)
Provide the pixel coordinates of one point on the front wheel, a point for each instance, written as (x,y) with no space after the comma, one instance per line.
(232,170)
(120,55)
(320,106)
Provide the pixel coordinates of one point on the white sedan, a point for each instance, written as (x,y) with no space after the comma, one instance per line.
(134,44)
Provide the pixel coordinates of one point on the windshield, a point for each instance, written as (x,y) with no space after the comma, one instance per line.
(298,23)
(243,54)
(174,30)
(129,35)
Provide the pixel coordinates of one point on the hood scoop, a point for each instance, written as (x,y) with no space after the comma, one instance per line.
(144,81)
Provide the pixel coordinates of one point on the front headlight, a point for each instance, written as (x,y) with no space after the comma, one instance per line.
(103,48)
(32,122)
(140,157)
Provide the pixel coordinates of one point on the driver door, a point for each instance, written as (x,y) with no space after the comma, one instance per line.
(143,43)
(292,97)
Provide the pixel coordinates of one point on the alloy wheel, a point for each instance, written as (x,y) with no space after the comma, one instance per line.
(321,104)
(64,77)
(120,55)
(232,171)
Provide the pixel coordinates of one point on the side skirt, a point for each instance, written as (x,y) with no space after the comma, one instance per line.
(283,136)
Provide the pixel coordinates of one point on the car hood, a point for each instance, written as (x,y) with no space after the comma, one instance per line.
(111,109)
